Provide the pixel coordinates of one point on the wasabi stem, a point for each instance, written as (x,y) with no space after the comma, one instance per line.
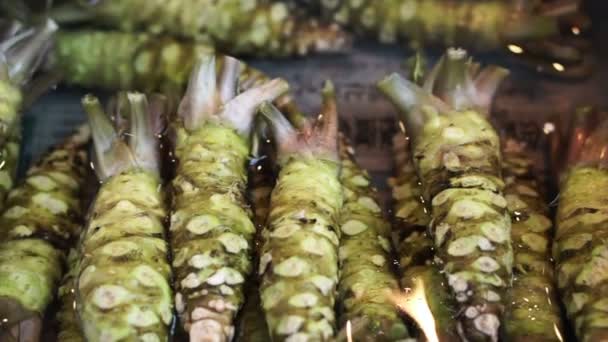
(212,230)
(580,249)
(532,308)
(414,245)
(530,34)
(123,278)
(367,284)
(122,61)
(299,264)
(457,156)
(43,219)
(254,28)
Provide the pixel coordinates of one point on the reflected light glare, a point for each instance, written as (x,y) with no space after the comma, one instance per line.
(576,31)
(558,333)
(414,304)
(349,331)
(548,127)
(558,67)
(401,126)
(516,49)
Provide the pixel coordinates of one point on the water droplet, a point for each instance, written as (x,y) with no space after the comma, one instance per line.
(559,67)
(516,49)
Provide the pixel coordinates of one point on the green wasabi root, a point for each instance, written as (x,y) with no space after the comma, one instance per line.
(252,325)
(123,287)
(124,61)
(254,28)
(67,317)
(457,156)
(415,248)
(299,263)
(528,33)
(580,248)
(42,220)
(367,285)
(212,230)
(20,57)
(532,306)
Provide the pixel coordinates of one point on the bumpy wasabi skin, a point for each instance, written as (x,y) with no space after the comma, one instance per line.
(367,284)
(43,218)
(458,159)
(237,27)
(532,307)
(299,261)
(477,25)
(212,233)
(252,325)
(414,245)
(124,61)
(580,250)
(579,244)
(115,60)
(10,105)
(530,33)
(123,287)
(69,327)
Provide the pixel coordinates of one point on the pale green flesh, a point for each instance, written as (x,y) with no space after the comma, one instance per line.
(42,218)
(532,310)
(299,261)
(367,285)
(457,155)
(239,27)
(212,230)
(123,290)
(580,251)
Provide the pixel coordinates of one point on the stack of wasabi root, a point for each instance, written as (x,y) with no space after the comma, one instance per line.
(291,244)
